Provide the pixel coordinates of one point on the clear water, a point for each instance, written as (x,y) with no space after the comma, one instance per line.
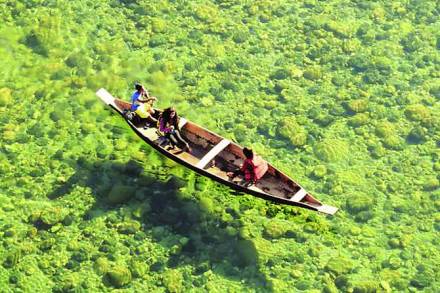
(341,95)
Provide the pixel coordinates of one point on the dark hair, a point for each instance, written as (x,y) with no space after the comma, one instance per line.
(138,86)
(167,118)
(248,153)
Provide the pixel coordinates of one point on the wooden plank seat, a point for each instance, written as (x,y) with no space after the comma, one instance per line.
(212,153)
(299,195)
(187,157)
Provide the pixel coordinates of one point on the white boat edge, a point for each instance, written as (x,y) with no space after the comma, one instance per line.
(326,209)
(105,96)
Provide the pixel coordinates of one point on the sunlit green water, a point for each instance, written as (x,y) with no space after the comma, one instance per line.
(343,96)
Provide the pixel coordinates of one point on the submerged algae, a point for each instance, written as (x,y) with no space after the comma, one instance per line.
(359,78)
(118,276)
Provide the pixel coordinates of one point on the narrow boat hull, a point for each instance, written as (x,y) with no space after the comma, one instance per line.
(275,186)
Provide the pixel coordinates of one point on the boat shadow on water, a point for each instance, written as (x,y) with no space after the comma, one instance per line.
(204,240)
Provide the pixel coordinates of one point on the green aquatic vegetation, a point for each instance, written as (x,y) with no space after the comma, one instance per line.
(48,217)
(9,233)
(207,205)
(385,129)
(280,74)
(172,281)
(393,142)
(313,228)
(431,183)
(329,287)
(364,216)
(418,113)
(247,253)
(302,285)
(424,277)
(101,265)
(130,227)
(292,131)
(118,276)
(138,268)
(417,135)
(435,89)
(275,229)
(359,120)
(339,266)
(12,258)
(365,286)
(358,106)
(331,150)
(342,30)
(120,193)
(68,282)
(393,278)
(9,135)
(359,80)
(44,39)
(394,243)
(359,202)
(319,171)
(5,96)
(313,73)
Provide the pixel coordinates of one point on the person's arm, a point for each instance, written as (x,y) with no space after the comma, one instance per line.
(151,100)
(162,126)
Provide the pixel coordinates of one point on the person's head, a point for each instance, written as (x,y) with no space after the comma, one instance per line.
(139,87)
(248,153)
(169,114)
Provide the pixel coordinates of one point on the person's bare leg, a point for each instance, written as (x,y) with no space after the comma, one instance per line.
(182,141)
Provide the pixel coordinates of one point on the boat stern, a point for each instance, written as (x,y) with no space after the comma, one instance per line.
(326,209)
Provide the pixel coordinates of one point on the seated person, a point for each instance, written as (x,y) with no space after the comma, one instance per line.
(137,96)
(146,113)
(169,127)
(253,168)
(142,105)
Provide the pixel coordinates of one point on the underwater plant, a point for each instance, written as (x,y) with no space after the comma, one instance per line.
(343,97)
(331,150)
(292,131)
(118,276)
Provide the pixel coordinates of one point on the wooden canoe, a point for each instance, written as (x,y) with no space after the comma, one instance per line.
(213,156)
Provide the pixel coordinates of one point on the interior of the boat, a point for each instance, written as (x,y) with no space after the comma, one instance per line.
(218,155)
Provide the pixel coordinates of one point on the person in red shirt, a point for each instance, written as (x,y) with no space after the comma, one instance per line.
(253,168)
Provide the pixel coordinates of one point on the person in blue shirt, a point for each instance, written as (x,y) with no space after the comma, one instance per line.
(142,106)
(141,95)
